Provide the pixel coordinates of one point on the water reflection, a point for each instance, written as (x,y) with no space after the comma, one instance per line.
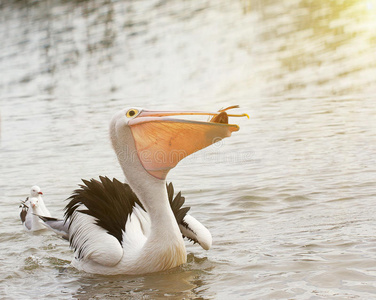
(316,45)
(258,47)
(187,282)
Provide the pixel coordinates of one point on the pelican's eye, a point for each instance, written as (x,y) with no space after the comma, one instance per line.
(131,113)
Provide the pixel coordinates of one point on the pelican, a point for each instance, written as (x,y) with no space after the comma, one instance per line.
(136,228)
(31,207)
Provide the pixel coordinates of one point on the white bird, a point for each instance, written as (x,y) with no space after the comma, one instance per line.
(31,207)
(116,228)
(36,192)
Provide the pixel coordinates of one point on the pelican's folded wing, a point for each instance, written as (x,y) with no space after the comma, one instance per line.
(99,212)
(91,241)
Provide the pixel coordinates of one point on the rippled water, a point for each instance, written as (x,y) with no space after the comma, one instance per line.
(289,199)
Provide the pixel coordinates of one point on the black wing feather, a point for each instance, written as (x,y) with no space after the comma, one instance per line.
(176,204)
(23,214)
(110,202)
(24,209)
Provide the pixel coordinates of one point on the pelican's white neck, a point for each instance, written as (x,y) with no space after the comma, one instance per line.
(164,248)
(150,190)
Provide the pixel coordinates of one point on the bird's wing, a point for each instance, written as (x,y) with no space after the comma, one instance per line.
(28,224)
(177,203)
(23,212)
(91,241)
(190,228)
(61,227)
(100,212)
(194,231)
(28,221)
(24,209)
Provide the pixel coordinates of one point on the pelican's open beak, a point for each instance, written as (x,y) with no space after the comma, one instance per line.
(162,141)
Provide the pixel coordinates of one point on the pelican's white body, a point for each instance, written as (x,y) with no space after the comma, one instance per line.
(145,248)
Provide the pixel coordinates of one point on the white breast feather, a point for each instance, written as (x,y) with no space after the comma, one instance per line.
(134,236)
(144,219)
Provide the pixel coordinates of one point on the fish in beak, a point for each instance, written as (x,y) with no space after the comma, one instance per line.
(162,139)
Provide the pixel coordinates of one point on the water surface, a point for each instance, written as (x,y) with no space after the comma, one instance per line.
(289,199)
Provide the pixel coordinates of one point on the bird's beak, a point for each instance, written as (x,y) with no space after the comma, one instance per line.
(40,193)
(162,140)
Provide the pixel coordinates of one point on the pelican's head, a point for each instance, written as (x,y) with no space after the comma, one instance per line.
(162,138)
(35,191)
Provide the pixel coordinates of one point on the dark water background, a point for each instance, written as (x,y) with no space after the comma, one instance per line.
(289,199)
